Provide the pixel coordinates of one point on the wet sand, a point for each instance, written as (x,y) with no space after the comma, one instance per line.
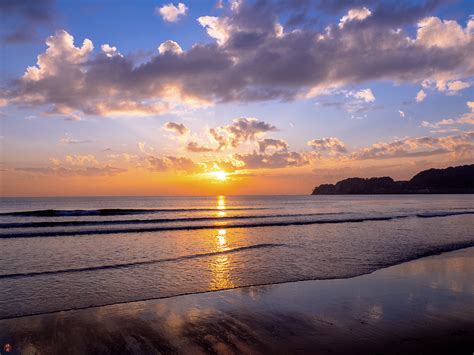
(422,306)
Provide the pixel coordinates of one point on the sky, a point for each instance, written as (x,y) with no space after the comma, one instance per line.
(131,98)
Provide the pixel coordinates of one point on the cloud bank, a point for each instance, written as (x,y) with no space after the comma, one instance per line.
(251,57)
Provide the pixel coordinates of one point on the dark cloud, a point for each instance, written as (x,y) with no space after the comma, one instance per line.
(24,17)
(240,131)
(277,144)
(400,13)
(254,59)
(195,147)
(177,128)
(385,13)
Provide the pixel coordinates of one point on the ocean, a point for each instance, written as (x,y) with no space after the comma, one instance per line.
(74,253)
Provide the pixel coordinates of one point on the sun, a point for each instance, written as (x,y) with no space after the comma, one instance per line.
(219,175)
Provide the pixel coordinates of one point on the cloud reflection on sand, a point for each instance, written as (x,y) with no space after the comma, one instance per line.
(396,303)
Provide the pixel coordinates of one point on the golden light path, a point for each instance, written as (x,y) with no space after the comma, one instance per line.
(220,265)
(221,206)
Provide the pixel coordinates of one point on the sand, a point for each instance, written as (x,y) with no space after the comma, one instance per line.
(422,306)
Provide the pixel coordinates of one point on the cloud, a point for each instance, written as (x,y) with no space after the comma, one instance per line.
(68,139)
(274,160)
(178,128)
(465,119)
(332,145)
(458,85)
(366,95)
(252,59)
(61,55)
(361,102)
(445,122)
(229,164)
(142,147)
(170,47)
(170,12)
(171,163)
(74,165)
(217,28)
(357,14)
(269,143)
(402,113)
(80,159)
(125,157)
(110,51)
(67,171)
(24,18)
(195,147)
(420,96)
(450,87)
(240,131)
(434,32)
(462,144)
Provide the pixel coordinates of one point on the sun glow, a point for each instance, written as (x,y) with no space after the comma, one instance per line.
(219,175)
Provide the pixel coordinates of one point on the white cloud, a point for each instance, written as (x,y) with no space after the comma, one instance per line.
(170,12)
(365,94)
(235,5)
(60,57)
(142,147)
(465,119)
(110,51)
(420,96)
(457,85)
(218,28)
(449,87)
(434,32)
(358,14)
(170,47)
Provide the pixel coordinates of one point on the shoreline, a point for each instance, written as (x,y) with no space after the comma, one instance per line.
(446,249)
(384,303)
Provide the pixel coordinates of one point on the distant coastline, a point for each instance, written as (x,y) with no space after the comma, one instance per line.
(452,180)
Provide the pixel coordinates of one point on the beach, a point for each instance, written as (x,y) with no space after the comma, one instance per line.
(236,177)
(421,306)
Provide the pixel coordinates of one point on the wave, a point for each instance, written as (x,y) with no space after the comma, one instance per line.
(442,214)
(63,233)
(117,211)
(141,263)
(435,250)
(152,221)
